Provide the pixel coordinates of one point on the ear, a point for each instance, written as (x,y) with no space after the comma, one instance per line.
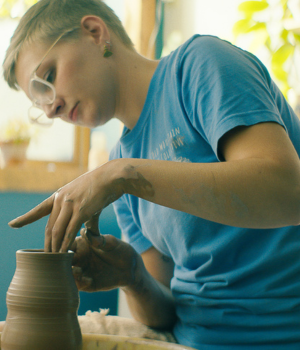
(96,28)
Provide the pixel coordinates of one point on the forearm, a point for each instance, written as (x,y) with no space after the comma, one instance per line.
(252,193)
(151,303)
(258,186)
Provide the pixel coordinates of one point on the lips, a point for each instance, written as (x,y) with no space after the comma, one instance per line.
(73,113)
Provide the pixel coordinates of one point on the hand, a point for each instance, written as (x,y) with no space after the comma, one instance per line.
(103,262)
(72,206)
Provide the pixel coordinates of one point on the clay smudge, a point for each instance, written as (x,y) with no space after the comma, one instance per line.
(135,183)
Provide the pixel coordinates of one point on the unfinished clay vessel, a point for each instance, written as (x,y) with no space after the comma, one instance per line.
(42,303)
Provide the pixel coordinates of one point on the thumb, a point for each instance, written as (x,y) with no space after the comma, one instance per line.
(92,224)
(92,233)
(98,241)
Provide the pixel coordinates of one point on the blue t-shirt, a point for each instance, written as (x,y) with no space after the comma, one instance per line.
(235,288)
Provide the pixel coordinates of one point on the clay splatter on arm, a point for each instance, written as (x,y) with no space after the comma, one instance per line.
(135,183)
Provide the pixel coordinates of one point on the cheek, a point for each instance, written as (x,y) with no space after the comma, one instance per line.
(66,78)
(89,80)
(71,70)
(80,79)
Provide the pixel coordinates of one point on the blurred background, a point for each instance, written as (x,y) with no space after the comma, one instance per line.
(34,162)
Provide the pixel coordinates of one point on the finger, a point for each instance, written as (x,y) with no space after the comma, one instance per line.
(59,228)
(56,209)
(93,224)
(71,233)
(38,212)
(48,238)
(103,243)
(92,233)
(77,271)
(97,241)
(48,228)
(74,246)
(81,248)
(85,284)
(82,282)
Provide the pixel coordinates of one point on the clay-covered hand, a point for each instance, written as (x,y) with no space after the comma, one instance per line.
(71,206)
(103,262)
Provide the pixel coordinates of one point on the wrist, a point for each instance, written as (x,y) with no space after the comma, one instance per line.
(130,178)
(136,285)
(109,179)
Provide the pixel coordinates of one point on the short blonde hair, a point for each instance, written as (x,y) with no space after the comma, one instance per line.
(48,19)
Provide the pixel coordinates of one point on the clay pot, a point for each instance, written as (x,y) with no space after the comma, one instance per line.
(42,303)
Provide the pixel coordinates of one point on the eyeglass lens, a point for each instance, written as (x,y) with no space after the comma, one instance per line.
(41,93)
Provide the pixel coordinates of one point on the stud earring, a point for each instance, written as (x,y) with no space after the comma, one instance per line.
(107,52)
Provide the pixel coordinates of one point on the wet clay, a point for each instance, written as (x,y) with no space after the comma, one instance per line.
(42,303)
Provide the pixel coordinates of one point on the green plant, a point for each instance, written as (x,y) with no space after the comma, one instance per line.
(264,23)
(14,8)
(16,131)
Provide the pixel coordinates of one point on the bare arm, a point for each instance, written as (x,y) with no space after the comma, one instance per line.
(256,187)
(150,299)
(105,262)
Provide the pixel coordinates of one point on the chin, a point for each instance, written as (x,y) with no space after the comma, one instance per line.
(93,121)
(99,121)
(88,124)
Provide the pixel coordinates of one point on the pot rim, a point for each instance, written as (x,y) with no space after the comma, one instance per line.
(41,251)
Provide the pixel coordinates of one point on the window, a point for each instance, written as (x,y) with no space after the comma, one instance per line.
(59,154)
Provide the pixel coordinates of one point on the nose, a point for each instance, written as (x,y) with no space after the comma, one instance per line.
(54,110)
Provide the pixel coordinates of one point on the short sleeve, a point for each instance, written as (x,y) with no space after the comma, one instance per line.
(223,87)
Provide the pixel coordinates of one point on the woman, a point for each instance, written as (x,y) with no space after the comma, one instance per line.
(204,180)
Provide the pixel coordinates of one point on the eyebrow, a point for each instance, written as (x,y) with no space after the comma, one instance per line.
(39,66)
